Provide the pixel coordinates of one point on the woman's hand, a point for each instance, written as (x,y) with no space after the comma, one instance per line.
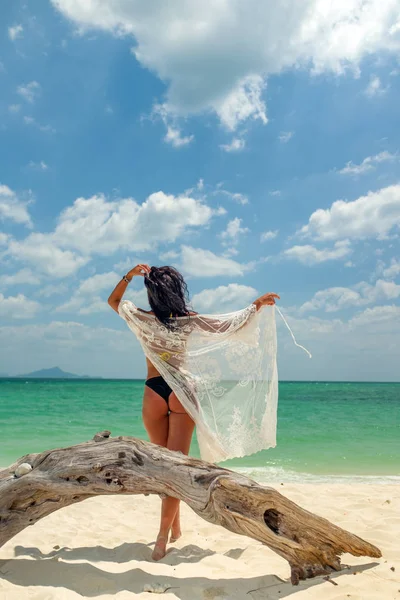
(138,270)
(269,299)
(266,300)
(119,290)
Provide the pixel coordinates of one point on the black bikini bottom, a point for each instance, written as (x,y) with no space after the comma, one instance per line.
(160,386)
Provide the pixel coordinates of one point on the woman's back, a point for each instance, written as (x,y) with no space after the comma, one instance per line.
(223,370)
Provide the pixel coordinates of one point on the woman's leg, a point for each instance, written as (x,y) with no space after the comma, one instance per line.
(155,417)
(180,433)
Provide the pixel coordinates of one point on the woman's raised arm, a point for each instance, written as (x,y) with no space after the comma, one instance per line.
(231,322)
(119,290)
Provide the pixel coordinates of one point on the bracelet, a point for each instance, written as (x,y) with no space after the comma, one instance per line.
(126,279)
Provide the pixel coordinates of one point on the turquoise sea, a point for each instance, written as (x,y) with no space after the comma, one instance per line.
(340,431)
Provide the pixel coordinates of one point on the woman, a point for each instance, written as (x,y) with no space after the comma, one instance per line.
(176,342)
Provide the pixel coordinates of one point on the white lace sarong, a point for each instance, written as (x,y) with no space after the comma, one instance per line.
(222,369)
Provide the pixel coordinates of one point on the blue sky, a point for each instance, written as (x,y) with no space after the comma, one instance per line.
(254,147)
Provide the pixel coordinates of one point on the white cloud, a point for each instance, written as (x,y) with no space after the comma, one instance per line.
(361,294)
(15,32)
(332,299)
(225,298)
(125,265)
(41,251)
(230,252)
(174,134)
(370,216)
(285,136)
(73,346)
(96,305)
(38,166)
(233,231)
(138,296)
(80,349)
(25,276)
(354,333)
(96,225)
(4,239)
(235,196)
(236,145)
(169,255)
(310,255)
(14,108)
(368,164)
(393,270)
(269,235)
(362,348)
(32,122)
(220,211)
(365,347)
(242,102)
(52,289)
(18,307)
(175,138)
(383,289)
(30,92)
(73,305)
(275,193)
(204,263)
(374,87)
(86,297)
(374,318)
(92,293)
(12,208)
(98,282)
(193,46)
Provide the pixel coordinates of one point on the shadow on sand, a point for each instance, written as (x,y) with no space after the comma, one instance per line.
(55,570)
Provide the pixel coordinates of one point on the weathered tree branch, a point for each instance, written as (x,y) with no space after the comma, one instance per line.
(124,465)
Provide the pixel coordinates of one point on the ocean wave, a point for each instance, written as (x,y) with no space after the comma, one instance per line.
(270,474)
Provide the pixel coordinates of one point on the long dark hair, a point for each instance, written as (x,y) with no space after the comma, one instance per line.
(168,294)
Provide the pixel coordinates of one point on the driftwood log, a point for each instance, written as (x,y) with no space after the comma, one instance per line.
(312,545)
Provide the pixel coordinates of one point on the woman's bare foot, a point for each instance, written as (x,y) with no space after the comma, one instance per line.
(160,547)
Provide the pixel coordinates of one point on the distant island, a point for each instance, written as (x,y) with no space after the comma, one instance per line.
(54,373)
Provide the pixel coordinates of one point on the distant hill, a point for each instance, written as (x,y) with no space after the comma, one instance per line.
(55,373)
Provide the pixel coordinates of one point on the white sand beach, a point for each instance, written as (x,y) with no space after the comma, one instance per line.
(101,548)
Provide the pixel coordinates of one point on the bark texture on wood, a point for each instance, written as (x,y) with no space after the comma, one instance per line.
(311,544)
